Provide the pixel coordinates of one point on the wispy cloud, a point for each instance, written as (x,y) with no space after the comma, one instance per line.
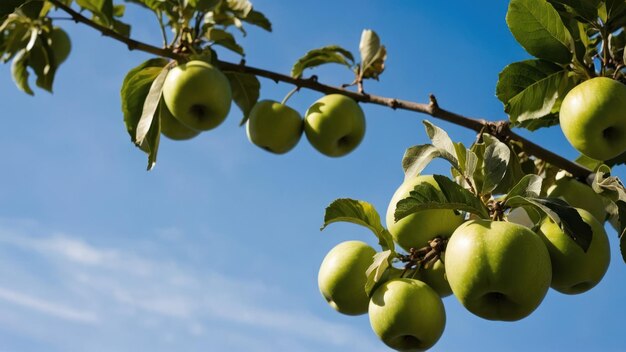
(46,307)
(113,287)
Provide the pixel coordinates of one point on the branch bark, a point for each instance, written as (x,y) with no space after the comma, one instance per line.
(432,108)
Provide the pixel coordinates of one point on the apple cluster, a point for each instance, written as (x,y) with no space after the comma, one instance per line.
(497,269)
(334,125)
(198,96)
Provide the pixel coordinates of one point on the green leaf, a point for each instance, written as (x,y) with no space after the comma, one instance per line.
(587,162)
(258,19)
(537,26)
(246,90)
(452,196)
(360,213)
(618,221)
(609,186)
(8,6)
(615,14)
(514,173)
(150,106)
(528,187)
(375,272)
(325,55)
(617,42)
(440,139)
(43,60)
(495,163)
(204,5)
(561,213)
(135,88)
(225,39)
(102,9)
(20,73)
(530,90)
(416,158)
(373,55)
(586,10)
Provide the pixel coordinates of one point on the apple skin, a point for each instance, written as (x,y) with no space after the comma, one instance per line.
(197,94)
(407,315)
(593,118)
(579,195)
(574,271)
(274,127)
(435,277)
(174,129)
(61,44)
(498,270)
(334,125)
(342,277)
(415,230)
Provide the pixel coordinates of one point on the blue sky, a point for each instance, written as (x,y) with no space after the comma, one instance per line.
(218,248)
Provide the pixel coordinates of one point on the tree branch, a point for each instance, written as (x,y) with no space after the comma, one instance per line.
(432,108)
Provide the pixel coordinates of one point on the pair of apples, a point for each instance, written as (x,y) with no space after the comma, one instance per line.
(334,125)
(498,270)
(197,97)
(593,118)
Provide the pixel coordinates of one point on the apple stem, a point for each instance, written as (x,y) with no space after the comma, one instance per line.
(291,92)
(425,257)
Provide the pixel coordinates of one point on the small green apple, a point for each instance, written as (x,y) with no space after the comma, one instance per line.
(334,125)
(197,94)
(342,277)
(415,230)
(435,277)
(593,118)
(174,129)
(498,270)
(274,127)
(579,195)
(573,270)
(407,315)
(61,44)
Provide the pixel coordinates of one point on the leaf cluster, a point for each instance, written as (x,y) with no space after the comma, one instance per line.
(572,41)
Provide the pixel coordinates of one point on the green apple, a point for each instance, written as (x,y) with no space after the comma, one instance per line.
(407,315)
(274,127)
(334,125)
(593,118)
(579,195)
(197,94)
(415,230)
(573,270)
(61,45)
(498,270)
(174,129)
(342,277)
(435,277)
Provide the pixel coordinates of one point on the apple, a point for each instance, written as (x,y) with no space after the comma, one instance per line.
(60,44)
(579,195)
(342,277)
(498,270)
(573,270)
(435,277)
(197,94)
(593,118)
(334,125)
(174,129)
(274,127)
(407,315)
(415,230)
